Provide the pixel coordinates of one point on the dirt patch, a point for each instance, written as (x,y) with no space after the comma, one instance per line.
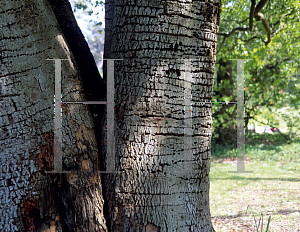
(224,224)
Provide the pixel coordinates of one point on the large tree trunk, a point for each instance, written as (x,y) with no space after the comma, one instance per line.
(149,122)
(31,199)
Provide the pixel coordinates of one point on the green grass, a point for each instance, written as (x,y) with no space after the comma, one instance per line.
(272,189)
(262,147)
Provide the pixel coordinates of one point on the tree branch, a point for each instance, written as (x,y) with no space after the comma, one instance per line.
(271,25)
(254,37)
(284,15)
(234,30)
(266,26)
(259,6)
(260,16)
(252,10)
(283,135)
(271,66)
(219,47)
(254,13)
(241,21)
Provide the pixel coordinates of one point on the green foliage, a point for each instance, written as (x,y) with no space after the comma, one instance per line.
(94,29)
(99,3)
(88,6)
(292,120)
(80,6)
(272,76)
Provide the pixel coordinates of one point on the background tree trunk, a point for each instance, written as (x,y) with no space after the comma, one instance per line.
(149,119)
(31,199)
(226,128)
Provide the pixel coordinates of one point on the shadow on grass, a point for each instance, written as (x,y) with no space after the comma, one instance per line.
(258,146)
(256,178)
(229,216)
(286,212)
(278,212)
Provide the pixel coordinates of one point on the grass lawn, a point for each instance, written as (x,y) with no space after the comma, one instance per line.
(273,189)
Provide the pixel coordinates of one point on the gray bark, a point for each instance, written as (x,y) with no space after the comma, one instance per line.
(149,121)
(31,199)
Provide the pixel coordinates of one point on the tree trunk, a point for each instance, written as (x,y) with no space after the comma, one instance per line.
(31,199)
(152,37)
(226,128)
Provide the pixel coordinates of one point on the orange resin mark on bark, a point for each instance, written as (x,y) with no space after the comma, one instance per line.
(28,207)
(46,156)
(85,164)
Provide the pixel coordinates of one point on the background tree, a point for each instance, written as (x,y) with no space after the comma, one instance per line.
(271,76)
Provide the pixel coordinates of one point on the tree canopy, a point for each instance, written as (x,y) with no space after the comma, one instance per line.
(271,41)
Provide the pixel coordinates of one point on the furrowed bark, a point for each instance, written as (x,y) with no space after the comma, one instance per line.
(31,199)
(149,120)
